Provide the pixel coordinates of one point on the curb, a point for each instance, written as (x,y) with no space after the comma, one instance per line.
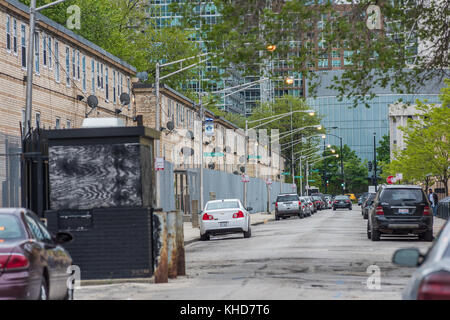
(116,281)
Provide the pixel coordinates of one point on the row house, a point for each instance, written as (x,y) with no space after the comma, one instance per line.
(67,70)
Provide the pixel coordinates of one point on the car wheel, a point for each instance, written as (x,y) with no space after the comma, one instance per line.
(301,215)
(248,234)
(277,217)
(334,209)
(43,292)
(426,236)
(204,237)
(375,234)
(350,208)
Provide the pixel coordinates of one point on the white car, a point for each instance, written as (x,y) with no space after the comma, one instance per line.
(223,217)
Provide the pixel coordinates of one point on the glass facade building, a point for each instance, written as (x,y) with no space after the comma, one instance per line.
(357,125)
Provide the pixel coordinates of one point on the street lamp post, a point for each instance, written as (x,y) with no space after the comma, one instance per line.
(342,160)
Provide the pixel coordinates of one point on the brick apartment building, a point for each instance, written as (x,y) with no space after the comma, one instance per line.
(67,70)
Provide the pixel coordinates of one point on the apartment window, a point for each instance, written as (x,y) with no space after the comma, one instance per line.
(50,58)
(128,85)
(38,119)
(58,123)
(74,70)
(337,63)
(8,33)
(84,73)
(121,84)
(107,84)
(23,42)
(98,75)
(118,84)
(114,86)
(78,65)
(57,75)
(68,124)
(15,36)
(102,75)
(93,76)
(67,66)
(44,50)
(36,53)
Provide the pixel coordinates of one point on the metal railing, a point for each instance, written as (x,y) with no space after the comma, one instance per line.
(443,209)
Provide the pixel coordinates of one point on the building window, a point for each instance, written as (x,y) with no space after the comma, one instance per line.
(36,53)
(74,70)
(50,58)
(337,63)
(107,84)
(102,76)
(84,73)
(98,75)
(78,65)
(44,50)
(58,123)
(57,66)
(68,124)
(68,66)
(118,84)
(8,33)
(38,119)
(114,86)
(93,76)
(128,85)
(23,42)
(15,36)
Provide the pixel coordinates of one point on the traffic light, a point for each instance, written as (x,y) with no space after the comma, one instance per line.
(369,164)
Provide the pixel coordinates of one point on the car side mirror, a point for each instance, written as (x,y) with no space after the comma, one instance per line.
(44,221)
(249,209)
(63,237)
(409,257)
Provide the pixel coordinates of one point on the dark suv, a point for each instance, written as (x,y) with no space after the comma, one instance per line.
(400,209)
(342,202)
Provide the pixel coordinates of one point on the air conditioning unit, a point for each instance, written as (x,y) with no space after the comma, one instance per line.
(103,122)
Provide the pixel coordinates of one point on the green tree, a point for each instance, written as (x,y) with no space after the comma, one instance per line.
(427,151)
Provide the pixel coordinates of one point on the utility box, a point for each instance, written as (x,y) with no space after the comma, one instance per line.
(102,190)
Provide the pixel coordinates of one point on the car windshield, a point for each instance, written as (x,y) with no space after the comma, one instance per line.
(222,205)
(401,195)
(10,228)
(341,198)
(288,197)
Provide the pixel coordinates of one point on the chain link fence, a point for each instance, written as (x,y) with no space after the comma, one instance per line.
(10,149)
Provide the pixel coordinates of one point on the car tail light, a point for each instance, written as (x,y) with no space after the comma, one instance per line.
(13,261)
(303,207)
(276,205)
(208,217)
(238,214)
(426,211)
(348,201)
(436,286)
(335,201)
(379,211)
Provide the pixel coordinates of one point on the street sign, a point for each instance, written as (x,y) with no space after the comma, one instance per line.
(390,179)
(311,180)
(399,176)
(298,177)
(254,157)
(209,127)
(285,173)
(245,178)
(213,154)
(268,181)
(159,164)
(315,170)
(372,189)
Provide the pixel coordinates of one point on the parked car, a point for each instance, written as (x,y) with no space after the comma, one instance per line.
(33,264)
(320,204)
(363,198)
(351,196)
(342,202)
(367,205)
(312,204)
(288,205)
(400,209)
(329,201)
(306,206)
(224,217)
(431,281)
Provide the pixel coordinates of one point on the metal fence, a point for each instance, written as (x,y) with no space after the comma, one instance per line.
(443,209)
(10,193)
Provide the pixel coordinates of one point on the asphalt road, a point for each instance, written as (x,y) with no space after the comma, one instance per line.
(326,256)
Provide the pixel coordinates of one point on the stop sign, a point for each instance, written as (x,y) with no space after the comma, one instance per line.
(390,179)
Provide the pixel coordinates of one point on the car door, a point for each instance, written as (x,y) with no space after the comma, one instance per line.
(47,254)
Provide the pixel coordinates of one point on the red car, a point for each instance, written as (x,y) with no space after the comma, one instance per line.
(33,264)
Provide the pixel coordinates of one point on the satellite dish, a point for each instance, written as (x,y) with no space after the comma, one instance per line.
(170,126)
(211,165)
(227,149)
(92,101)
(241,159)
(217,149)
(242,168)
(186,151)
(190,135)
(125,99)
(142,76)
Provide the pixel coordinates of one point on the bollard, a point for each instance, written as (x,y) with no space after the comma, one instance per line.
(160,258)
(181,264)
(172,244)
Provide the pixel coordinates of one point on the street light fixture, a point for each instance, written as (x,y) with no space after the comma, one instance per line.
(271,47)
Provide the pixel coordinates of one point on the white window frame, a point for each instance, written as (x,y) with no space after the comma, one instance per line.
(93,79)
(57,63)
(50,53)
(67,67)
(8,34)
(114,87)
(23,44)
(83,80)
(74,70)
(37,54)
(15,44)
(106,84)
(57,123)
(78,66)
(44,51)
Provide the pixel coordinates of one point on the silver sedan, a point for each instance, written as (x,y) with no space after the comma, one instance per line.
(431,281)
(223,217)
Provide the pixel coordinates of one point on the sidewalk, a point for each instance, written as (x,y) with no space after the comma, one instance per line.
(193,234)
